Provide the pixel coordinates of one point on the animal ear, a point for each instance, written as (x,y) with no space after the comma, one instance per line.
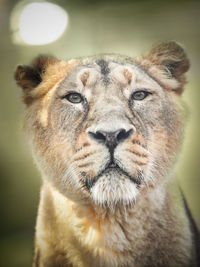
(29,77)
(171,58)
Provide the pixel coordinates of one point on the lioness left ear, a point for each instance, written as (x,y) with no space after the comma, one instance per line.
(170,57)
(29,77)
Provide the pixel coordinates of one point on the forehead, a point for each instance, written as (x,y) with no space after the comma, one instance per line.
(106,71)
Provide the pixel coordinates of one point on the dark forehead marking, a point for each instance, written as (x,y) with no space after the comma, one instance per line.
(104,66)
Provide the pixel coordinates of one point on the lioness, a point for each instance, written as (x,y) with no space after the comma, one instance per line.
(105,133)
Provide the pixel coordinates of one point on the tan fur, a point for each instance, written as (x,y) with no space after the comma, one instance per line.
(91,214)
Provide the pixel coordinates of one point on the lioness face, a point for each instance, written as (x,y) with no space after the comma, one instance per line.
(106,129)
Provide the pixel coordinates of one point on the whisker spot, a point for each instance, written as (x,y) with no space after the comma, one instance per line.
(85,164)
(84,156)
(139,162)
(137,153)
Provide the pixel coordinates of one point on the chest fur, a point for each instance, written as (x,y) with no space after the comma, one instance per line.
(124,237)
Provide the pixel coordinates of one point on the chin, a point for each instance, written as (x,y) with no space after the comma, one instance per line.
(114,189)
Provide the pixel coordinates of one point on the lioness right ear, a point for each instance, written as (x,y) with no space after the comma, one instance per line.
(171,59)
(29,77)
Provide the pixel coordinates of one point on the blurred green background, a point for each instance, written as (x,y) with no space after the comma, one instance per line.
(125,27)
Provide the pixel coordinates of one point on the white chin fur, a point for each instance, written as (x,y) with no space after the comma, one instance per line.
(110,191)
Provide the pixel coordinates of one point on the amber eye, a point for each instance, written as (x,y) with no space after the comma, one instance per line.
(74,98)
(140,95)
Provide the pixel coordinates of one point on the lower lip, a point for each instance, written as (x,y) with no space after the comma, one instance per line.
(118,169)
(113,168)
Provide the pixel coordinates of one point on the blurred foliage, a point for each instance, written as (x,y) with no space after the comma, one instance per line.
(125,27)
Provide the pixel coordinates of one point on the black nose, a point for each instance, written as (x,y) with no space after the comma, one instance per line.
(111,139)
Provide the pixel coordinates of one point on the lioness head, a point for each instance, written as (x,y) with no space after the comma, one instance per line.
(104,128)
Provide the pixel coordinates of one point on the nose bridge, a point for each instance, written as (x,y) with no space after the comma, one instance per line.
(110,118)
(109,114)
(111,125)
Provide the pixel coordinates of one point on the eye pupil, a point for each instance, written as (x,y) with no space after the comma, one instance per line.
(140,95)
(74,98)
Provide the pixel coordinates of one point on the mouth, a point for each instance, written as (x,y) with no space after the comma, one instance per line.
(112,168)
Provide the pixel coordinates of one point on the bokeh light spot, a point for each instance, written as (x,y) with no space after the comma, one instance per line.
(41,23)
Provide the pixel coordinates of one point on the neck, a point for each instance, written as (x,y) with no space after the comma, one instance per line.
(108,236)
